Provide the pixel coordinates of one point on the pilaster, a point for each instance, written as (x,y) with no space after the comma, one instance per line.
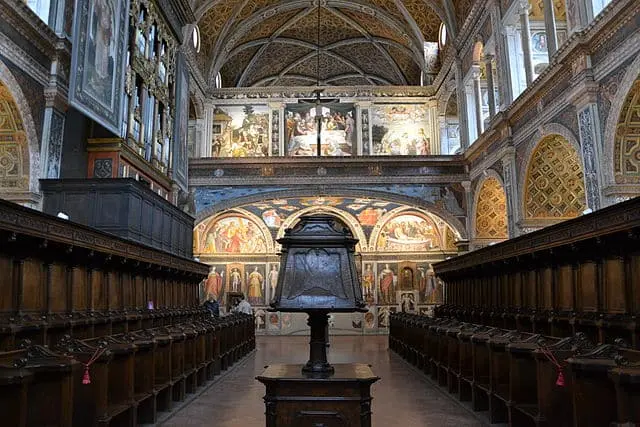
(511,191)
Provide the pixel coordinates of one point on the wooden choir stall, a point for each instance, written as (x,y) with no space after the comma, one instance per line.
(540,330)
(98,331)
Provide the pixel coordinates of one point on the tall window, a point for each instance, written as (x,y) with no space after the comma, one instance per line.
(41,8)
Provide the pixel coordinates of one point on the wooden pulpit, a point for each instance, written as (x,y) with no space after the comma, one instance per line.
(298,399)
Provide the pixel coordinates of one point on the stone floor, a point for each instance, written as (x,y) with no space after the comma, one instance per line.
(402,397)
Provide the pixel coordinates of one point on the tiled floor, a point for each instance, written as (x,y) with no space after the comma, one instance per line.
(402,397)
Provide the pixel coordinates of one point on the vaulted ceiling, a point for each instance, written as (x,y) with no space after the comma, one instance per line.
(275,42)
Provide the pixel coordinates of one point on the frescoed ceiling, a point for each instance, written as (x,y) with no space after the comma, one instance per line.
(275,42)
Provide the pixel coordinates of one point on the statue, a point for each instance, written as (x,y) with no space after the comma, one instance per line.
(187,202)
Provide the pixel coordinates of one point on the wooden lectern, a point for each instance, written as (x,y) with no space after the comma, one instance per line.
(318,277)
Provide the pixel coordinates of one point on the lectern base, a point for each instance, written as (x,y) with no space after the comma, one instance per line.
(294,399)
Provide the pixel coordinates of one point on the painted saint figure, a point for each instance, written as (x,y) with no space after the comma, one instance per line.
(367,281)
(255,286)
(273,279)
(235,279)
(386,285)
(214,284)
(102,33)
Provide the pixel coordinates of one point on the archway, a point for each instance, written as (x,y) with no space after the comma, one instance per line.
(554,183)
(626,149)
(28,194)
(14,152)
(490,213)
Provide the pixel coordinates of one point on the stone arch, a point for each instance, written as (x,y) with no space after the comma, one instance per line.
(621,153)
(204,226)
(29,194)
(459,230)
(348,219)
(553,186)
(490,208)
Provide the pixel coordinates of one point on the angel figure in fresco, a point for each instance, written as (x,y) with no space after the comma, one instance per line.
(255,286)
(386,284)
(367,281)
(214,283)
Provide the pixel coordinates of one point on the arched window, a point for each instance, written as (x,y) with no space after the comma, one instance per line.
(195,38)
(442,36)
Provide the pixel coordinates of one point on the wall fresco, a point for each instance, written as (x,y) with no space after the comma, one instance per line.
(240,131)
(401,129)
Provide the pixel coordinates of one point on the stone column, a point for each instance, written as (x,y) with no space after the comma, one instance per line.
(590,142)
(462,105)
(53,126)
(579,14)
(477,100)
(488,65)
(503,75)
(550,28)
(525,37)
(205,147)
(444,138)
(470,208)
(511,190)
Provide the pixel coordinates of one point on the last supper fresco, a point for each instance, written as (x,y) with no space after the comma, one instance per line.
(397,246)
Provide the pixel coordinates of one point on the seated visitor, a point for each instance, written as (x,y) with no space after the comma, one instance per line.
(243,306)
(212,305)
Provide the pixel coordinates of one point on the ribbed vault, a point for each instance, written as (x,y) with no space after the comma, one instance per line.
(275,42)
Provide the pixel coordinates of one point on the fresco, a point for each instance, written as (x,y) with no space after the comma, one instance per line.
(337,133)
(401,129)
(240,131)
(399,245)
(231,235)
(408,233)
(255,280)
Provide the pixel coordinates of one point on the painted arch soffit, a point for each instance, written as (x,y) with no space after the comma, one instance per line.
(395,30)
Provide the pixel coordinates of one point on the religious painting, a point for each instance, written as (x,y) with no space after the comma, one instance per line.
(370,318)
(426,311)
(235,278)
(273,321)
(98,60)
(214,283)
(401,129)
(272,278)
(260,317)
(243,131)
(337,129)
(255,280)
(370,216)
(387,282)
(356,320)
(426,282)
(436,294)
(286,321)
(407,276)
(272,218)
(539,42)
(231,235)
(384,314)
(408,301)
(180,143)
(368,283)
(408,232)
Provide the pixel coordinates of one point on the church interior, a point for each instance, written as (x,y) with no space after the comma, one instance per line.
(162,163)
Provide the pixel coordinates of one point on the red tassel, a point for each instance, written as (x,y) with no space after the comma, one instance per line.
(85,378)
(560,380)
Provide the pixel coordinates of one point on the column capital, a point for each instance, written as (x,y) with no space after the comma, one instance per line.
(466,185)
(524,7)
